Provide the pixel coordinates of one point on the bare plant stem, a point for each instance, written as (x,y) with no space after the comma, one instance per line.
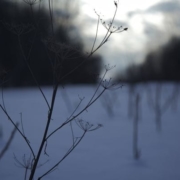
(25,174)
(24,137)
(45,133)
(72,132)
(32,74)
(9,141)
(45,137)
(136,151)
(3,102)
(70,150)
(105,39)
(96,34)
(108,31)
(51,16)
(57,80)
(74,110)
(75,116)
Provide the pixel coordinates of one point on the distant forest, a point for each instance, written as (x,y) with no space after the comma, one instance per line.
(161,65)
(20,28)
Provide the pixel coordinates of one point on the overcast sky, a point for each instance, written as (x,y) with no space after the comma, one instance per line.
(150,23)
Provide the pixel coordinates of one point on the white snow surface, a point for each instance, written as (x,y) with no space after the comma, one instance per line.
(104,154)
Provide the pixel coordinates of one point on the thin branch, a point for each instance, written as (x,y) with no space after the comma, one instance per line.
(72,132)
(74,117)
(69,151)
(98,87)
(107,36)
(91,101)
(2,94)
(24,137)
(96,34)
(111,23)
(9,141)
(45,133)
(22,125)
(75,109)
(32,74)
(51,16)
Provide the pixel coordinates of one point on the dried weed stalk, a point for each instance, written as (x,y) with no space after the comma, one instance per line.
(61,53)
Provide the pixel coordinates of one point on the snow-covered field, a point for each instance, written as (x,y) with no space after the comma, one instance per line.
(104,154)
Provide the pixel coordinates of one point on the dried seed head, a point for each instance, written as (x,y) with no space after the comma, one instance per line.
(112,28)
(30,2)
(19,29)
(115,3)
(86,126)
(110,85)
(61,49)
(25,162)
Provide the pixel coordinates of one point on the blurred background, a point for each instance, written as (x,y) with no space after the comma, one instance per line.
(148,51)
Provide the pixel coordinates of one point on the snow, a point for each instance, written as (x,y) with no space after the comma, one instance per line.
(104,154)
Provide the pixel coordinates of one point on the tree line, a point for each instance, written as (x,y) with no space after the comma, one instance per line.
(23,27)
(160,65)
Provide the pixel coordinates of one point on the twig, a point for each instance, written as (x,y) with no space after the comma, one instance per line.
(24,137)
(69,151)
(91,101)
(6,147)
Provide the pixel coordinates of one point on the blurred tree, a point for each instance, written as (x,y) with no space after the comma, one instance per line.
(170,56)
(32,28)
(162,65)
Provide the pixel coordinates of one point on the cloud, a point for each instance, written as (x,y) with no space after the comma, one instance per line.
(165,7)
(172,6)
(170,10)
(160,20)
(132,13)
